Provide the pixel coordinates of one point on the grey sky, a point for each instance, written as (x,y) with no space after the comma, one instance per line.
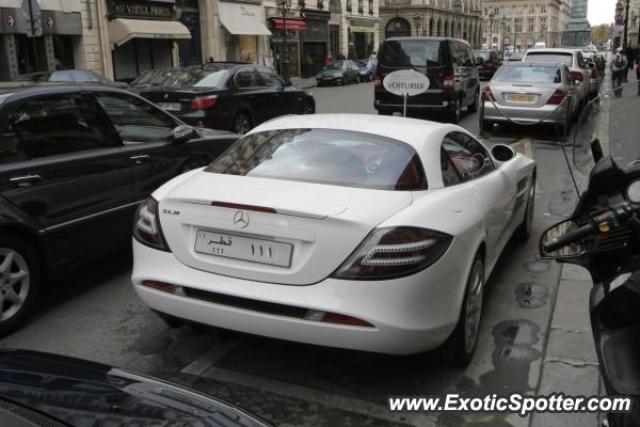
(601,11)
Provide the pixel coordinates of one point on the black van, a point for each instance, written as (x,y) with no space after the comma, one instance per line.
(449,64)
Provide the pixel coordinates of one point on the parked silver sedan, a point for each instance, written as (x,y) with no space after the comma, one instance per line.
(529,93)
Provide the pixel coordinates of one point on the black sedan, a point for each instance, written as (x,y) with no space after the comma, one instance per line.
(222,95)
(49,390)
(75,162)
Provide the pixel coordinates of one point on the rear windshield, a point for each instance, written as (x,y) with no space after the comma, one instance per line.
(408,53)
(183,78)
(325,156)
(553,57)
(529,74)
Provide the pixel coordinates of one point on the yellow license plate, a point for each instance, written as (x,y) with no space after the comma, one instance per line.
(523,99)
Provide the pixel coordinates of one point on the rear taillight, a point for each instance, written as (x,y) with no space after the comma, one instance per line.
(447,83)
(577,76)
(377,80)
(487,95)
(203,102)
(340,319)
(146,226)
(557,97)
(394,252)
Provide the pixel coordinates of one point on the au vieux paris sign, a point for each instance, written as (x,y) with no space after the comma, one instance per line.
(141,9)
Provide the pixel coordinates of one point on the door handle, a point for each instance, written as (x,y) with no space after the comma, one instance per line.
(140,158)
(26,180)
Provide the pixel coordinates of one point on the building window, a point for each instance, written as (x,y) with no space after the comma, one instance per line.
(360,7)
(349,6)
(518,25)
(543,8)
(370,7)
(530,25)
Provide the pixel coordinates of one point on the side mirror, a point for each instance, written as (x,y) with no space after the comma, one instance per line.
(570,251)
(502,153)
(183,133)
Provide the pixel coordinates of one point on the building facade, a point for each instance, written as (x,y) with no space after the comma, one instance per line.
(523,23)
(444,18)
(123,38)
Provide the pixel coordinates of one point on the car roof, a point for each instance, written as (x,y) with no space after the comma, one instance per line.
(426,39)
(18,92)
(534,63)
(553,50)
(411,131)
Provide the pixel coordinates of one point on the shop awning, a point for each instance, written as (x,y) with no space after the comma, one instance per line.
(121,30)
(11,4)
(60,5)
(293,24)
(243,19)
(361,29)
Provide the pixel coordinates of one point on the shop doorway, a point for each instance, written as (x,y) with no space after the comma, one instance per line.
(334,40)
(63,51)
(31,54)
(313,58)
(139,55)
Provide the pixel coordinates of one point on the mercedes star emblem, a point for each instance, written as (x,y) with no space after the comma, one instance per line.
(241,219)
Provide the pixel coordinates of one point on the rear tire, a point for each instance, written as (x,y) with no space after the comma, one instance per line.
(523,232)
(459,348)
(20,276)
(242,123)
(473,108)
(456,115)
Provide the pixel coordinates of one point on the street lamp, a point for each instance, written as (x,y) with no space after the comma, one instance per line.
(284,6)
(417,20)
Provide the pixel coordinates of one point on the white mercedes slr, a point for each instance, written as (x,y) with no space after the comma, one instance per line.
(353,231)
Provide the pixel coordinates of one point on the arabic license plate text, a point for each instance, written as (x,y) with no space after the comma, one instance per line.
(244,248)
(522,99)
(170,106)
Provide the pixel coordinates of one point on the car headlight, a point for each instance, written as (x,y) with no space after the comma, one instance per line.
(146,226)
(394,252)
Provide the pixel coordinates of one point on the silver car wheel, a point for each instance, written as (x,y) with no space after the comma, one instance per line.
(473,308)
(14,282)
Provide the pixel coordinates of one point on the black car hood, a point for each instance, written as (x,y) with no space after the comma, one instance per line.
(82,393)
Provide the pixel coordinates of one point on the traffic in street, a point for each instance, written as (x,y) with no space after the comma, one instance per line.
(304,376)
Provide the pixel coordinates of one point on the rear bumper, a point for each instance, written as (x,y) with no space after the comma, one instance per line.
(432,100)
(211,119)
(547,114)
(409,315)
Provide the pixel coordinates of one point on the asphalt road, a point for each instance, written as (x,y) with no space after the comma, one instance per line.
(94,314)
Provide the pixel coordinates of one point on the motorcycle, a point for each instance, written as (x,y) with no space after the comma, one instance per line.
(603,236)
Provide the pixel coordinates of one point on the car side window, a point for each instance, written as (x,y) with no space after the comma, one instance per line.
(54,125)
(136,120)
(247,78)
(450,175)
(455,53)
(469,157)
(269,78)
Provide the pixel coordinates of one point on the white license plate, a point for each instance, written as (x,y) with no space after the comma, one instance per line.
(170,106)
(244,248)
(523,99)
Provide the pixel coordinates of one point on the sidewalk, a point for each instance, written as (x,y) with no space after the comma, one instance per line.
(570,364)
(303,83)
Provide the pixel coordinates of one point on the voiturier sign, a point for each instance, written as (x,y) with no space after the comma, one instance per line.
(406,83)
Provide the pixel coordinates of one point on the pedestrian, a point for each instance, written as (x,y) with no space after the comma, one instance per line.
(328,59)
(210,59)
(618,69)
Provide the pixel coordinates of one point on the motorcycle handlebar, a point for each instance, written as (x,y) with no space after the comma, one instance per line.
(571,237)
(622,212)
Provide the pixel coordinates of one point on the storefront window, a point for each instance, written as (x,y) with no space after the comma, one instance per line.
(249,49)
